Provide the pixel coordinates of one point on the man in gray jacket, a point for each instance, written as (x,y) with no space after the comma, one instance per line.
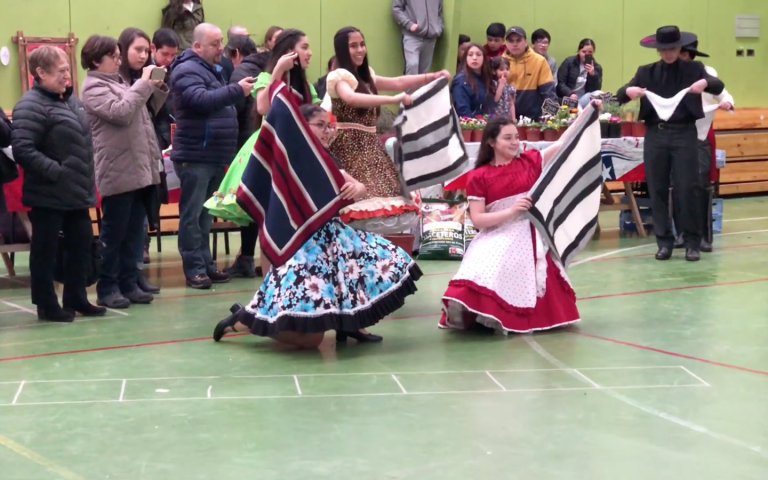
(422,23)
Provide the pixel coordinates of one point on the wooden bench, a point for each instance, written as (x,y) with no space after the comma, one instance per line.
(744,137)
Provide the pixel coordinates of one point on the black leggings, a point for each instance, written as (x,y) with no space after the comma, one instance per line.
(248,237)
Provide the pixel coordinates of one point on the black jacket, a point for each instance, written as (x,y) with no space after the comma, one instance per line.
(568,73)
(204,106)
(680,75)
(251,66)
(5,130)
(321,86)
(51,140)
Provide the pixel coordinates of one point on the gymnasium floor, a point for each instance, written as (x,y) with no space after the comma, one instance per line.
(665,378)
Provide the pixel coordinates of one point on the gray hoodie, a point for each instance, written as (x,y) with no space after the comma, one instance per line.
(427,14)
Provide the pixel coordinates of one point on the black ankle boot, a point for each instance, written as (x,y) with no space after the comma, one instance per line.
(341,337)
(55,314)
(229,322)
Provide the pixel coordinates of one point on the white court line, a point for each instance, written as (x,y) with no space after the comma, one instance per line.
(586,378)
(346,374)
(397,381)
(502,387)
(122,390)
(19,307)
(125,314)
(296,381)
(350,395)
(18,392)
(636,247)
(208,394)
(744,219)
(650,410)
(695,376)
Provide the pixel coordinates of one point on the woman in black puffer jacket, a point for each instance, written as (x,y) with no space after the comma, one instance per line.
(580,75)
(51,141)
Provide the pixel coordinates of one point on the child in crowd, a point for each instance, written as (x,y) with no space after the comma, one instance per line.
(504,97)
(495,40)
(541,40)
(464,41)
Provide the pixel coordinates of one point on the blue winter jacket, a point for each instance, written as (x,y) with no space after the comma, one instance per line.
(206,118)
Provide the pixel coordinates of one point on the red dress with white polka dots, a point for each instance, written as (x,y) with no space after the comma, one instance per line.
(507,280)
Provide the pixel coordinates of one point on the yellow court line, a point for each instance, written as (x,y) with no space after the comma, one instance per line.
(38,459)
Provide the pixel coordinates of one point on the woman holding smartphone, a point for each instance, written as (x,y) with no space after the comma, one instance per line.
(580,75)
(126,153)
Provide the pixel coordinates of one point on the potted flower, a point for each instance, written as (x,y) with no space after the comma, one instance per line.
(604,118)
(563,120)
(534,132)
(612,110)
(549,129)
(478,125)
(466,128)
(629,112)
(523,126)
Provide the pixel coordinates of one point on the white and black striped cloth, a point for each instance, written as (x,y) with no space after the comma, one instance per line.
(566,198)
(430,149)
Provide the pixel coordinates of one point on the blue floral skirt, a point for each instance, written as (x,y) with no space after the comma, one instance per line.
(340,279)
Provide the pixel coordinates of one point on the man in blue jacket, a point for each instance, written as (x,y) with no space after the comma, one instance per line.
(204,143)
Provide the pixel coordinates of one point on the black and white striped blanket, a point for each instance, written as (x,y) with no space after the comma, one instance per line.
(566,198)
(430,149)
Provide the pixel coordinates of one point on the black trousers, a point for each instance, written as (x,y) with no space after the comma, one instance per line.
(122,235)
(703,192)
(78,241)
(670,155)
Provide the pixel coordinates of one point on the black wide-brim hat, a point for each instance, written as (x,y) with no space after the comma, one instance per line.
(668,37)
(692,49)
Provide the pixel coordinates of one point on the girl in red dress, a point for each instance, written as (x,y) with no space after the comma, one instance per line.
(507,280)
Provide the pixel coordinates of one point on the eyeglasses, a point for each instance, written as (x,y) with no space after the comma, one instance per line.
(323,126)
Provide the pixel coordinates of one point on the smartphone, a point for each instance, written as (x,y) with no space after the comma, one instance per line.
(589,59)
(158,73)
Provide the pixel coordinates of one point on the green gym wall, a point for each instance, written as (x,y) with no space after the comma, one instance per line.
(615,25)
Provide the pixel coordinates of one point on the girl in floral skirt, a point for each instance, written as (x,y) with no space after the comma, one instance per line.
(341,279)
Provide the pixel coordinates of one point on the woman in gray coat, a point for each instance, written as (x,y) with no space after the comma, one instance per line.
(127,158)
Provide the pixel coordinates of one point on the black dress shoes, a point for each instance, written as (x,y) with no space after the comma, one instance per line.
(664,253)
(692,255)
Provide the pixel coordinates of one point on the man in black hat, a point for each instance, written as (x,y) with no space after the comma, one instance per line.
(671,136)
(706,149)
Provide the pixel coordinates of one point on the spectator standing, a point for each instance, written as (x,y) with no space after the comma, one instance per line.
(471,89)
(204,144)
(494,37)
(320,84)
(529,73)
(541,41)
(580,75)
(5,142)
(242,52)
(126,156)
(270,38)
(183,16)
(421,22)
(227,65)
(51,141)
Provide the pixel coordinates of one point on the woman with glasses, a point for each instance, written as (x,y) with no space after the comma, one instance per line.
(339,275)
(126,153)
(288,60)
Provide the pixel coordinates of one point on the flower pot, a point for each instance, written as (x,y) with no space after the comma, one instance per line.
(522,133)
(477,135)
(561,131)
(614,130)
(550,135)
(638,129)
(626,129)
(403,240)
(603,129)
(467,135)
(533,134)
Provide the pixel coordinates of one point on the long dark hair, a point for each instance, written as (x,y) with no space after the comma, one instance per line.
(297,77)
(241,44)
(486,76)
(365,83)
(491,132)
(587,42)
(125,41)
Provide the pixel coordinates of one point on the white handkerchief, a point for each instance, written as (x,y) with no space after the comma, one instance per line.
(665,107)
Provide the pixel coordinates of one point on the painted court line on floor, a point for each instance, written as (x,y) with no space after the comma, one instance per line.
(402,393)
(38,459)
(634,403)
(668,352)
